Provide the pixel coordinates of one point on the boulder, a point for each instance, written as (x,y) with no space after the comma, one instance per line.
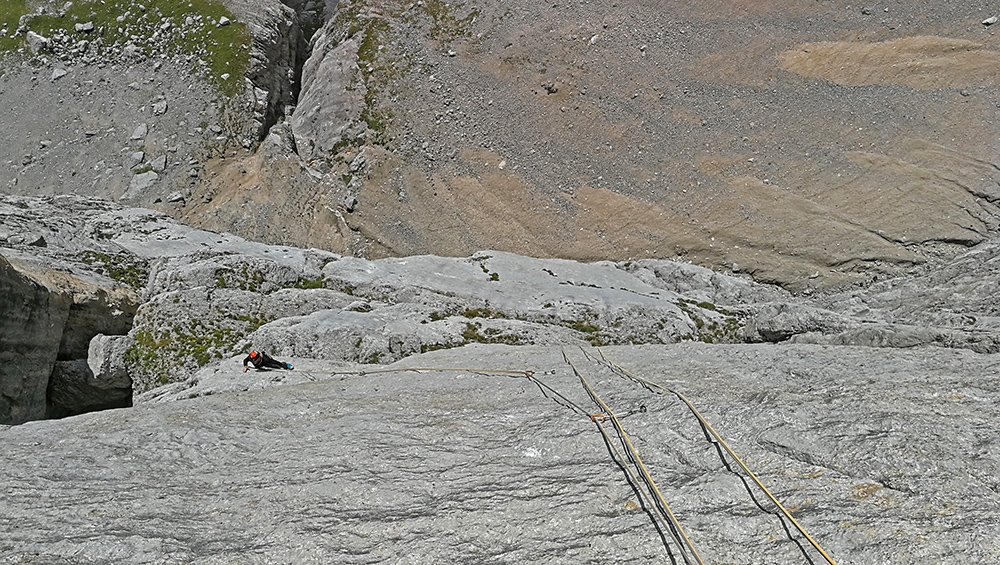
(37,43)
(106,359)
(139,132)
(140,183)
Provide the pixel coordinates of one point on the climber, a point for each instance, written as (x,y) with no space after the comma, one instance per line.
(262,360)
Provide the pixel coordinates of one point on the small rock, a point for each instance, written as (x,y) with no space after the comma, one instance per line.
(350,203)
(359,306)
(160,108)
(964,92)
(225,76)
(135,158)
(45,142)
(142,181)
(58,73)
(140,131)
(216,129)
(37,43)
(176,197)
(159,164)
(224,21)
(990,20)
(358,163)
(34,240)
(85,27)
(106,358)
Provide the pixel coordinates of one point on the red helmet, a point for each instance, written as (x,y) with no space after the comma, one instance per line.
(254,354)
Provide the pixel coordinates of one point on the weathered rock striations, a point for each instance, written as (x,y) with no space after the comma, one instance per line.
(880,454)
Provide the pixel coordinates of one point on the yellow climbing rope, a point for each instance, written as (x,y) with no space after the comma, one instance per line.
(728,449)
(607,414)
(672,520)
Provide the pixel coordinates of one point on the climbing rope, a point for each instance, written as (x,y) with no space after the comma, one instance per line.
(654,497)
(704,422)
(660,503)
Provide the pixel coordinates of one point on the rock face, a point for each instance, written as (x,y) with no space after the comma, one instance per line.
(870,449)
(49,320)
(480,440)
(57,298)
(29,343)
(447,407)
(329,105)
(208,297)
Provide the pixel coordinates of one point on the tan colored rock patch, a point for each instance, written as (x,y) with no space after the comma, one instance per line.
(921,62)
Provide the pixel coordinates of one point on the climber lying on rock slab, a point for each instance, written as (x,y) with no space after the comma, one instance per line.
(262,360)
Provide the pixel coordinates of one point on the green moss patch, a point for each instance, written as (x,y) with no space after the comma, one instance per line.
(713,324)
(191,343)
(475,333)
(305,283)
(242,279)
(447,24)
(125,269)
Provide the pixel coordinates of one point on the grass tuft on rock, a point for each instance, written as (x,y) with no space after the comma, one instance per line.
(128,270)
